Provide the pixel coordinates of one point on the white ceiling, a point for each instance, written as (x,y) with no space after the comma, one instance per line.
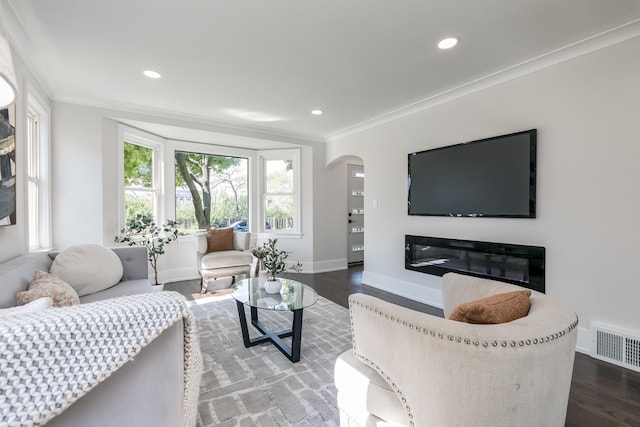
(264,64)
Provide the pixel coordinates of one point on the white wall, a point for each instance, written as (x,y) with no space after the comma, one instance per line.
(588,210)
(85,189)
(77,175)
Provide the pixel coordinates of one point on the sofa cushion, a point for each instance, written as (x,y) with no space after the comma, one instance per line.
(16,274)
(223,259)
(219,239)
(500,308)
(46,284)
(88,268)
(30,307)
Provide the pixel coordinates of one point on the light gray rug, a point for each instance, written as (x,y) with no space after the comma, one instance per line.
(258,386)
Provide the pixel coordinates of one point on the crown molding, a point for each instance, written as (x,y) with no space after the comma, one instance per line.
(23,44)
(116,109)
(566,53)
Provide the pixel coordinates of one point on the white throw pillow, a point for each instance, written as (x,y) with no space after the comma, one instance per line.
(88,268)
(39,304)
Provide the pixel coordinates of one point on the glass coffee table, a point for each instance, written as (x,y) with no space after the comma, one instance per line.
(294,296)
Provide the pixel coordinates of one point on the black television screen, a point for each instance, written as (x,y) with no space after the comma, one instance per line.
(493,177)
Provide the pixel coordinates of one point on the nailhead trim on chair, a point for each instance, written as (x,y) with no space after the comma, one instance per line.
(380,372)
(440,335)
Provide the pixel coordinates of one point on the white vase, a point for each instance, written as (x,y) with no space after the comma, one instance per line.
(272,286)
(157,287)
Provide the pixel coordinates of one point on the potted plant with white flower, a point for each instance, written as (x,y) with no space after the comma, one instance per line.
(273,260)
(142,230)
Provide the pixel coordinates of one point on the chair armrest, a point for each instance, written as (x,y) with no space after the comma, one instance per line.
(241,240)
(434,364)
(200,241)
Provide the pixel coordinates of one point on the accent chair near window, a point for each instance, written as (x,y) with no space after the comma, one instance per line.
(222,256)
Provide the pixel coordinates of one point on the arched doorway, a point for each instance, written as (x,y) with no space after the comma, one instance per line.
(355,213)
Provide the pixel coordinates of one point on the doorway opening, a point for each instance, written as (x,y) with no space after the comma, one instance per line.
(355,214)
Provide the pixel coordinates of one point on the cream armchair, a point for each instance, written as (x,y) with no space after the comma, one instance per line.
(214,265)
(412,369)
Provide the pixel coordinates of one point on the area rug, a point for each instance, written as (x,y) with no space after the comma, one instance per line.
(258,386)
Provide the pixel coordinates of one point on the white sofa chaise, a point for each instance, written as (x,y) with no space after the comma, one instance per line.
(413,369)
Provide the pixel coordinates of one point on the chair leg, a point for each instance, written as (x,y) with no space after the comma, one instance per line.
(203,286)
(233,279)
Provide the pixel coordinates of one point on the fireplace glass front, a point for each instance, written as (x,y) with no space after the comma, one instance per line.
(518,264)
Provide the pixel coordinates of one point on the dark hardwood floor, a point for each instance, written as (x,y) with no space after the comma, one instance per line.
(601,394)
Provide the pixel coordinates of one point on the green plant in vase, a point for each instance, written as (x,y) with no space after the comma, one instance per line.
(273,259)
(143,231)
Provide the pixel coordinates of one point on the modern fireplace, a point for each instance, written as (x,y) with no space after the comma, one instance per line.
(518,264)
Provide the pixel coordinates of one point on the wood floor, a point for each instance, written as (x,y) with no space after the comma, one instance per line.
(601,394)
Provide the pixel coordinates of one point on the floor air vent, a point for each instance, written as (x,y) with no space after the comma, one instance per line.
(615,346)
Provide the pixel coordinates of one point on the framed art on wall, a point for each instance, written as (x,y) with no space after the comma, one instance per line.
(7,169)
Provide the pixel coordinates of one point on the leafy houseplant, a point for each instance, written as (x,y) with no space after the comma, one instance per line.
(143,231)
(273,259)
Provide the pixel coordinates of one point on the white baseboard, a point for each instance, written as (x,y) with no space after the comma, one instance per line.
(324,266)
(584,341)
(178,275)
(420,293)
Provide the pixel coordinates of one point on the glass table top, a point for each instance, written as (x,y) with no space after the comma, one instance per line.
(293,295)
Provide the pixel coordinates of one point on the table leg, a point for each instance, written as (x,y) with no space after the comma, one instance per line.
(243,324)
(296,339)
(291,352)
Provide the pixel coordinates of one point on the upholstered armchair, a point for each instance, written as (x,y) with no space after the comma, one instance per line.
(413,369)
(232,261)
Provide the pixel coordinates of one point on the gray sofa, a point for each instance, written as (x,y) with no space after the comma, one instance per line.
(16,274)
(153,383)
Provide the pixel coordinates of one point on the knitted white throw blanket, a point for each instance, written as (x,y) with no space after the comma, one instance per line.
(50,359)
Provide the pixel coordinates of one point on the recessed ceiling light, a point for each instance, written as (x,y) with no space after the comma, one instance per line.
(316,112)
(152,74)
(447,43)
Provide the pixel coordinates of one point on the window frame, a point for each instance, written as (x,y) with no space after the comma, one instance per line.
(164,173)
(135,136)
(38,172)
(280,154)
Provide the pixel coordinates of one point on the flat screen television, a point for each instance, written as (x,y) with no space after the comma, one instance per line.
(493,177)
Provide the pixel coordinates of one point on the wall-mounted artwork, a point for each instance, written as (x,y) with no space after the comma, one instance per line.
(7,169)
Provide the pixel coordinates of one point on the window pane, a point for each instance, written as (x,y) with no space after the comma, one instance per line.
(137,202)
(138,166)
(279,212)
(279,175)
(32,147)
(185,212)
(211,191)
